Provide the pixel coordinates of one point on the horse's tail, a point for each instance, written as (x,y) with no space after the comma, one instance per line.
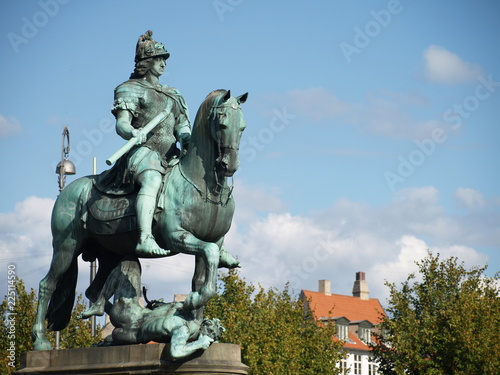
(63,298)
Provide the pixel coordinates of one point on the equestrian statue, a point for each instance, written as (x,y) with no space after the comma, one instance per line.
(157,200)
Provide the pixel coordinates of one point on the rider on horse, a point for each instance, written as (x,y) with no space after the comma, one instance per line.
(136,102)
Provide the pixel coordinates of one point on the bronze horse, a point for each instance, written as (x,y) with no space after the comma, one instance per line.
(196,215)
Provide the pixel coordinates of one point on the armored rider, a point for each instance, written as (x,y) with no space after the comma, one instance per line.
(136,102)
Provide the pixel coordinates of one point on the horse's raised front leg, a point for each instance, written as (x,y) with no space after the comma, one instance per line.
(204,283)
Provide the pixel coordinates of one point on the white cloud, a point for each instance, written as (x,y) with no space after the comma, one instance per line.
(410,250)
(25,239)
(253,200)
(9,126)
(385,112)
(276,247)
(348,237)
(315,103)
(388,114)
(469,198)
(443,66)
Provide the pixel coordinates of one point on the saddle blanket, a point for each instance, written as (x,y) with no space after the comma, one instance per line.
(111,214)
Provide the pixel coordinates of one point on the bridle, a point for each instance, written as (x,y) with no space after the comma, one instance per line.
(215,196)
(212,117)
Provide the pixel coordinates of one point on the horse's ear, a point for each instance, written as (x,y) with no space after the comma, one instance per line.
(227,96)
(242,98)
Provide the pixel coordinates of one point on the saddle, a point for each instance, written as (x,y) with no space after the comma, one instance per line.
(111,214)
(111,200)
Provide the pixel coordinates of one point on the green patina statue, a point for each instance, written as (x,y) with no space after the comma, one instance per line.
(160,322)
(137,102)
(155,201)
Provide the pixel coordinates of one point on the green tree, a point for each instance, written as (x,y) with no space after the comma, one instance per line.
(447,323)
(277,334)
(17,315)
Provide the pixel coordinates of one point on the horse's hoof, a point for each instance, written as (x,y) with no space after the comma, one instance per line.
(226,260)
(94,310)
(42,344)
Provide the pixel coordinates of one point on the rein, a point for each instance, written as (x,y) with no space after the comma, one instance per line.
(218,191)
(206,195)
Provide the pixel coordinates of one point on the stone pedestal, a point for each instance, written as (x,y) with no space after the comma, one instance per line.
(133,359)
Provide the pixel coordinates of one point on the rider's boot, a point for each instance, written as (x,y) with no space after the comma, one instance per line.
(147,246)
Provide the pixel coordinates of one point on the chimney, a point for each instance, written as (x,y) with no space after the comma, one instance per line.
(360,288)
(324,287)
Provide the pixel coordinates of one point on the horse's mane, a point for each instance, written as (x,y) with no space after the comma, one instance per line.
(202,116)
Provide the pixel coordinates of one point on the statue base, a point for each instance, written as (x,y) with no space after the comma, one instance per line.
(133,359)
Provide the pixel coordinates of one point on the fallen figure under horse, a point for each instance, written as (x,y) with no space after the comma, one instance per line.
(194,213)
(159,321)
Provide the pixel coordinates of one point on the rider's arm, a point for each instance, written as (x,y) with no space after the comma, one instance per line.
(124,124)
(182,131)
(179,347)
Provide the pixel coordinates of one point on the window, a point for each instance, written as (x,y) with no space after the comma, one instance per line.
(365,334)
(357,364)
(344,370)
(342,331)
(363,329)
(372,367)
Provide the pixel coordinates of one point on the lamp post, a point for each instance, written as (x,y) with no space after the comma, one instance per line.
(64,168)
(93,267)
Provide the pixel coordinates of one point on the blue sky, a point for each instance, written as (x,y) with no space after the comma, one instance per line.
(372,127)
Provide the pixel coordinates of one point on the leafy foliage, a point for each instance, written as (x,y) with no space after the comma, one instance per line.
(277,334)
(448,323)
(18,335)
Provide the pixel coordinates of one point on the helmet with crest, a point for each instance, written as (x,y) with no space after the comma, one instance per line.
(147,47)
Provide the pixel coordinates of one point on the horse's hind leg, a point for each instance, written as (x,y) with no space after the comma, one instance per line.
(64,254)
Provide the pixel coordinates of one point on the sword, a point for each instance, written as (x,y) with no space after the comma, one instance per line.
(134,140)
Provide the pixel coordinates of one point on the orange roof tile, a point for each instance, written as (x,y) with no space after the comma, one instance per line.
(353,308)
(335,305)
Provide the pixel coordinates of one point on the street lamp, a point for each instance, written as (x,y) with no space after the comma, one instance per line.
(65,166)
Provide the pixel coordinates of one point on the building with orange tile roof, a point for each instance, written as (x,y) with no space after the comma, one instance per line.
(356,318)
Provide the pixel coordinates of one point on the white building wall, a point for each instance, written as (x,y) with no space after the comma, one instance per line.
(353,365)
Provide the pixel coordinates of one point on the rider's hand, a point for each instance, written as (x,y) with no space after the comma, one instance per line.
(137,133)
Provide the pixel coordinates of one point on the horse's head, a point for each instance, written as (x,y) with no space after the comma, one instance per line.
(226,127)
